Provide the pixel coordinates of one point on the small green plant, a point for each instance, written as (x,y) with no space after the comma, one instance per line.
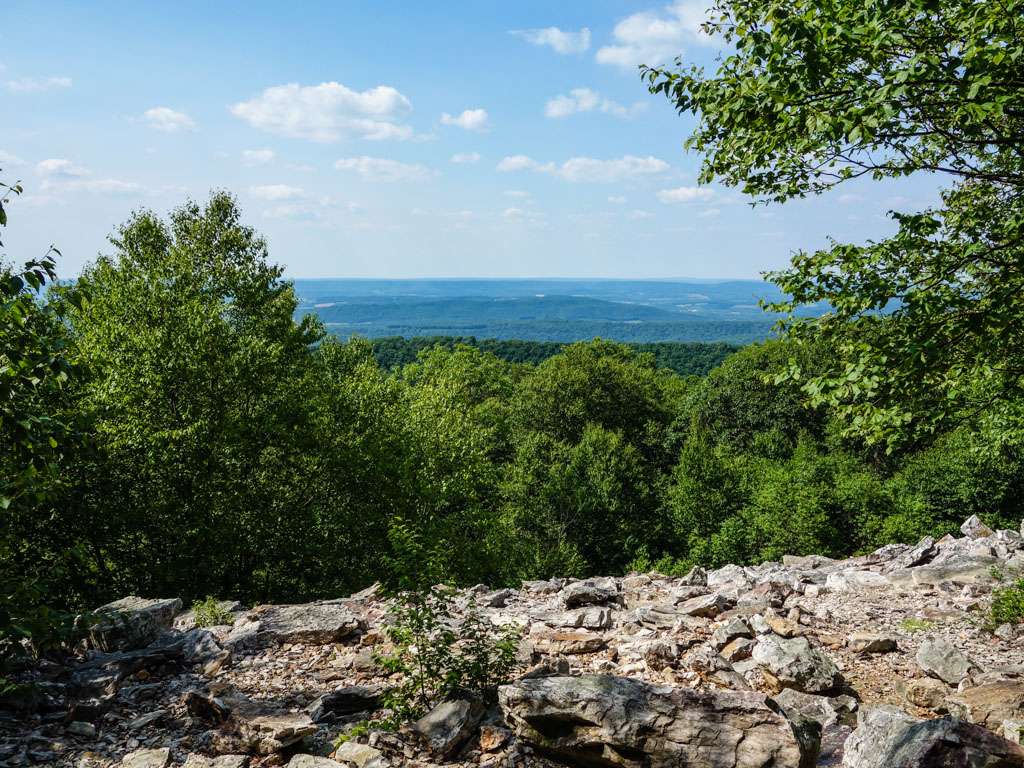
(438,654)
(1007,605)
(210,613)
(997,574)
(916,625)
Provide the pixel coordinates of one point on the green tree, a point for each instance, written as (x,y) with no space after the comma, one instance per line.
(745,409)
(34,375)
(199,395)
(925,324)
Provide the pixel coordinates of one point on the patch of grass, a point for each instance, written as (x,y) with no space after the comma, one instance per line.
(916,625)
(209,613)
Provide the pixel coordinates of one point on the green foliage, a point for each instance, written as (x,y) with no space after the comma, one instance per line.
(682,357)
(438,653)
(925,325)
(1007,605)
(34,376)
(209,612)
(748,410)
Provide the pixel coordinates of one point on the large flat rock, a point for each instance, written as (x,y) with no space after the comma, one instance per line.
(132,622)
(309,624)
(600,720)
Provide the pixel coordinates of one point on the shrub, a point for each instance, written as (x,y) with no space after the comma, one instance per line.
(1007,605)
(211,613)
(438,654)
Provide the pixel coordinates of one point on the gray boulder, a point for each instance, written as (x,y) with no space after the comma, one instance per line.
(793,663)
(706,606)
(697,577)
(960,570)
(973,528)
(590,592)
(310,624)
(823,710)
(887,737)
(343,702)
(447,726)
(940,659)
(131,622)
(604,721)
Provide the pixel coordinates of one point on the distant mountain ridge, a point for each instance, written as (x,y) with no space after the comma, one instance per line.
(562,310)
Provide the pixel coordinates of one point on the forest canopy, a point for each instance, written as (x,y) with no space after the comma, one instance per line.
(192,438)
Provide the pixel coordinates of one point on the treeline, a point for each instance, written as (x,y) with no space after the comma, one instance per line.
(685,358)
(184,435)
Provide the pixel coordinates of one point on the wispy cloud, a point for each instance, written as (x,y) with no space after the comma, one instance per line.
(276,192)
(62,175)
(685,194)
(257,156)
(588,169)
(383,169)
(587,100)
(469,119)
(463,158)
(560,41)
(328,112)
(37,84)
(168,120)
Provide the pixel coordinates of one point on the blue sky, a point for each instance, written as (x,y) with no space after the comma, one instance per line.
(390,139)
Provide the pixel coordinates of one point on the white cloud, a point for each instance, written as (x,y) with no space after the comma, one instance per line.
(36,84)
(276,192)
(517,193)
(616,199)
(588,169)
(168,120)
(561,41)
(520,163)
(586,100)
(61,175)
(257,156)
(7,160)
(469,119)
(640,215)
(466,157)
(591,169)
(383,169)
(709,213)
(328,112)
(654,38)
(685,194)
(850,198)
(59,168)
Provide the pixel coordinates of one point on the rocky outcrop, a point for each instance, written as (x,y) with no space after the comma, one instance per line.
(738,665)
(887,737)
(615,721)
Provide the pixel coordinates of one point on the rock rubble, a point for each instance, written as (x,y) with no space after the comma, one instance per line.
(878,660)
